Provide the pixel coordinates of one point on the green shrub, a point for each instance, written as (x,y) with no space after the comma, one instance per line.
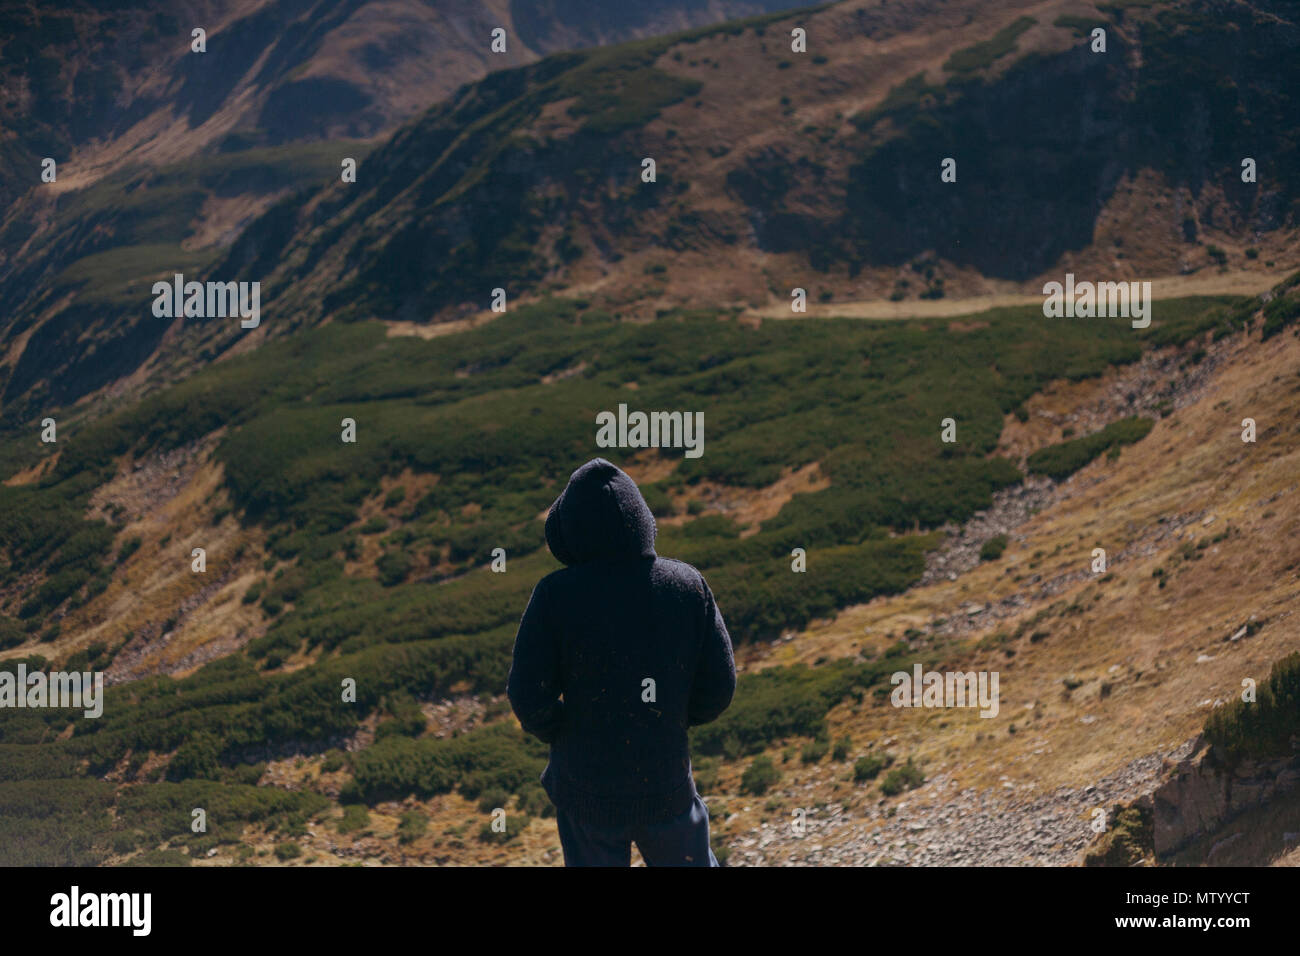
(333,761)
(393,567)
(815,750)
(355,817)
(906,777)
(992,549)
(1129,840)
(501,440)
(197,757)
(405,718)
(1064,459)
(411,826)
(12,632)
(1279,314)
(759,776)
(515,824)
(1261,729)
(492,799)
(247,774)
(983,55)
(534,802)
(869,767)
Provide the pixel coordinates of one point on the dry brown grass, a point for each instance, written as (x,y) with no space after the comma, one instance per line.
(1142,641)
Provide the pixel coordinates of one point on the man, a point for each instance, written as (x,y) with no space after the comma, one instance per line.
(617,654)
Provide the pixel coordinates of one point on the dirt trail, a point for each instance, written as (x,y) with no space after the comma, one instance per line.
(1167,287)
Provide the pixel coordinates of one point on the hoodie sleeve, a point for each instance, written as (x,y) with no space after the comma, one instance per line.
(534,685)
(715,674)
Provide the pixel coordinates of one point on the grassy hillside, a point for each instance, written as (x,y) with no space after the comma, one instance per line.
(357,580)
(335,567)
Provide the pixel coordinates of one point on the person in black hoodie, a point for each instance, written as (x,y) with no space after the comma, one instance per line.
(616,656)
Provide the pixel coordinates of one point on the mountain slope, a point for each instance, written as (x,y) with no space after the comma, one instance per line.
(164,154)
(536,178)
(778,170)
(327,561)
(100,82)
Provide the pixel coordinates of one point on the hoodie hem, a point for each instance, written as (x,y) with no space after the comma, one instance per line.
(621,810)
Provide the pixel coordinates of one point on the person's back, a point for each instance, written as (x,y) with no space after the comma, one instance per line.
(635,645)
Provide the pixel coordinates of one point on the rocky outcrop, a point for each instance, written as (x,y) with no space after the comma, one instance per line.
(1201,796)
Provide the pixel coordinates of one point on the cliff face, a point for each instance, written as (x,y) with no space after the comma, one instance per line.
(1195,805)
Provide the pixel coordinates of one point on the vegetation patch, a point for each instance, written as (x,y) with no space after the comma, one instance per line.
(1064,459)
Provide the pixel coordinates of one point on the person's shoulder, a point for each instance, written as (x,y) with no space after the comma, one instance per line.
(555,578)
(685,576)
(552,583)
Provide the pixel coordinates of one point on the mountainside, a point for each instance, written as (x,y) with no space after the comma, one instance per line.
(164,154)
(774,170)
(101,80)
(372,562)
(299,552)
(817,170)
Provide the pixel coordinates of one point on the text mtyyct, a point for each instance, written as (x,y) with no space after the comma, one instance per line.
(103,909)
(57,689)
(1087,300)
(951,689)
(651,430)
(212,300)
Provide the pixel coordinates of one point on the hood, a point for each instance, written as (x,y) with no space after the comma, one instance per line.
(600,516)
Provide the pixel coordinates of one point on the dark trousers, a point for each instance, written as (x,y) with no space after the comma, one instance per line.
(682,841)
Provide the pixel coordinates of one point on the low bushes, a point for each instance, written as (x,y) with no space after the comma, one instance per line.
(1263,728)
(1064,459)
(497,756)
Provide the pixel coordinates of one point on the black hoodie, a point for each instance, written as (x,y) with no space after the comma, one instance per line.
(633,644)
